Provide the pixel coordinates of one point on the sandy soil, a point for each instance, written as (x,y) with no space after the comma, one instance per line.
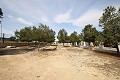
(65,63)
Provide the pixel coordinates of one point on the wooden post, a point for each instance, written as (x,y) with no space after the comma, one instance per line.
(3,37)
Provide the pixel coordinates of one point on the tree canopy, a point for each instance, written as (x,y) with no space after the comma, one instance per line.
(110,22)
(74,37)
(62,36)
(110,36)
(89,33)
(42,34)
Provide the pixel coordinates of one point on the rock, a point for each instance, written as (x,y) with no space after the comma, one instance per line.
(11,47)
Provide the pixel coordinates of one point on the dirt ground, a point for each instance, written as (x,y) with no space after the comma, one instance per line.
(65,63)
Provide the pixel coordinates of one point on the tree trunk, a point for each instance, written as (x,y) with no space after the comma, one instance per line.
(28,43)
(35,43)
(17,41)
(63,43)
(72,44)
(117,48)
(38,46)
(89,43)
(3,37)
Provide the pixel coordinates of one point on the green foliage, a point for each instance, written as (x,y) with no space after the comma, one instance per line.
(68,39)
(12,38)
(25,34)
(74,37)
(89,33)
(48,35)
(35,33)
(99,39)
(62,36)
(81,37)
(42,34)
(16,34)
(110,22)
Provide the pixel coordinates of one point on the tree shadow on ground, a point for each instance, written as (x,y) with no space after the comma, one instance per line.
(14,51)
(108,52)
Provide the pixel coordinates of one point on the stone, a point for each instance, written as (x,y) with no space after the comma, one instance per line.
(119,47)
(84,44)
(100,47)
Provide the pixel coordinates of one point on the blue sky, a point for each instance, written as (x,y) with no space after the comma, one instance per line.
(72,15)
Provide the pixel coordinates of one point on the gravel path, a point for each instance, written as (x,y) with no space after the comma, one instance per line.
(65,63)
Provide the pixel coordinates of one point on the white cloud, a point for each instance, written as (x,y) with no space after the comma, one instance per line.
(10,16)
(44,19)
(90,17)
(63,18)
(23,21)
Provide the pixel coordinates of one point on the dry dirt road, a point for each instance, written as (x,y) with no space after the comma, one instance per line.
(65,63)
